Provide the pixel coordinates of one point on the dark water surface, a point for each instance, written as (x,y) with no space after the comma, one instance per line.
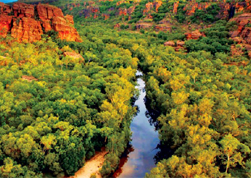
(139,157)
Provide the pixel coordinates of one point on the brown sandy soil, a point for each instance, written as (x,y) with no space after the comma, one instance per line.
(91,166)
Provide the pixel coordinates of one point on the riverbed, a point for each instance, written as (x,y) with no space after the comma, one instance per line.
(139,158)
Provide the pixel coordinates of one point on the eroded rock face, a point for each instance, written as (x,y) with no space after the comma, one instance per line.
(25,28)
(64,29)
(243,33)
(192,7)
(23,10)
(152,5)
(46,11)
(5,9)
(5,24)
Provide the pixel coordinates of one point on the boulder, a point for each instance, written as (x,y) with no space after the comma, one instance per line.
(170,43)
(29,78)
(180,43)
(73,55)
(194,35)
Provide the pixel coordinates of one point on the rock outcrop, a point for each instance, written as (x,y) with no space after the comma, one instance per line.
(27,26)
(5,9)
(26,29)
(178,46)
(29,78)
(53,19)
(23,10)
(74,55)
(90,11)
(243,33)
(5,24)
(106,16)
(164,25)
(152,5)
(143,25)
(190,8)
(169,43)
(194,35)
(225,7)
(175,7)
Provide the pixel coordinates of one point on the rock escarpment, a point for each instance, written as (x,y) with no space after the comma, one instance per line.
(242,34)
(243,31)
(27,23)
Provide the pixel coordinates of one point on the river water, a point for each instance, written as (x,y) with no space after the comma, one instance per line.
(139,158)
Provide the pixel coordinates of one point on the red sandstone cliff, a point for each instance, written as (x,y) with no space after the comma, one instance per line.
(26,26)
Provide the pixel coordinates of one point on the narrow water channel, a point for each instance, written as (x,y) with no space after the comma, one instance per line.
(140,157)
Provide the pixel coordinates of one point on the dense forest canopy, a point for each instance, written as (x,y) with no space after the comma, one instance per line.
(56,110)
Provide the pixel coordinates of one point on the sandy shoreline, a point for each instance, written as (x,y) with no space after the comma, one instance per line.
(91,166)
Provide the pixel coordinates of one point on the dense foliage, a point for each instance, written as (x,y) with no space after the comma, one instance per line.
(75,107)
(79,105)
(216,40)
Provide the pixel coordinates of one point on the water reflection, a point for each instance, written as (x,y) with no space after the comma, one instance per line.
(152,114)
(164,152)
(144,141)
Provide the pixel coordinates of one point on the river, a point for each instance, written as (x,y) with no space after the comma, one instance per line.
(139,158)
